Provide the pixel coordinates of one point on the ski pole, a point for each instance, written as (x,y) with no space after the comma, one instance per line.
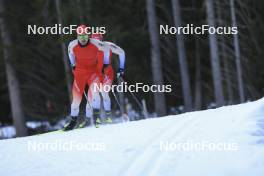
(134,97)
(117,100)
(124,114)
(86,97)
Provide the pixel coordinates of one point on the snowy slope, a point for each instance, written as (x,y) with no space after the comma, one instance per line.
(135,148)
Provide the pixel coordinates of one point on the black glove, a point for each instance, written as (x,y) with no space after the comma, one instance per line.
(73,68)
(104,67)
(120,73)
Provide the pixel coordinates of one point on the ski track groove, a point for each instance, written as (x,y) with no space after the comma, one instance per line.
(133,158)
(140,164)
(157,159)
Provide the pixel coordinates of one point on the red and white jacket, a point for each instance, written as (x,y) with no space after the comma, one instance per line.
(88,57)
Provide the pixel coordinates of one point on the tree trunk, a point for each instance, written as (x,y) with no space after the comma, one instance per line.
(64,54)
(186,88)
(12,80)
(227,76)
(198,83)
(198,70)
(217,76)
(237,54)
(79,7)
(224,58)
(156,65)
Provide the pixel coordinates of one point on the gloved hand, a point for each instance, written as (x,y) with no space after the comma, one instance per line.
(73,69)
(104,68)
(120,73)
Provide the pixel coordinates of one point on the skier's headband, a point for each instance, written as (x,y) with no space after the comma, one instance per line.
(83,30)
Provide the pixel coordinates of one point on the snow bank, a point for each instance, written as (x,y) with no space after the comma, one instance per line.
(223,141)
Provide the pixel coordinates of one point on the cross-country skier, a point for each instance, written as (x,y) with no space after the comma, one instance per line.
(108,72)
(84,54)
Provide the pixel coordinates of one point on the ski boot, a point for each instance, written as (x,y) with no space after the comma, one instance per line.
(71,124)
(85,122)
(108,117)
(97,123)
(96,117)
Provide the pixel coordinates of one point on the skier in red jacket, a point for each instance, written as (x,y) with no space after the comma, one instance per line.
(84,55)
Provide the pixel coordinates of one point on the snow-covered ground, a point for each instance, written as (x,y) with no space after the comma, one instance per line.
(227,141)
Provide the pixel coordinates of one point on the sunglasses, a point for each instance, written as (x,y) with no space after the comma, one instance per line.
(83,37)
